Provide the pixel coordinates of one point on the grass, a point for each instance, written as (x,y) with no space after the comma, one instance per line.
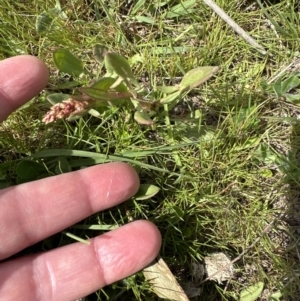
(225,175)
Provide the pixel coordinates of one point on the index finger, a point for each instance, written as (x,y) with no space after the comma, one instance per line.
(21,78)
(33,211)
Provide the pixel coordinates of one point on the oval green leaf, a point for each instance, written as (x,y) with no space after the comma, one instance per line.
(44,20)
(68,85)
(179,212)
(77,116)
(119,64)
(252,292)
(181,9)
(146,191)
(167,89)
(294,98)
(171,98)
(276,296)
(277,88)
(4,183)
(143,118)
(94,113)
(29,170)
(145,19)
(106,82)
(66,62)
(63,166)
(101,95)
(57,97)
(290,83)
(196,77)
(187,232)
(99,52)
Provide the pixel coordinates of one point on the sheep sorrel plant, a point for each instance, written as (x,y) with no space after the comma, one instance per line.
(118,87)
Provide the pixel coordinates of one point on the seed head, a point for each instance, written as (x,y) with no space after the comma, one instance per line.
(66,109)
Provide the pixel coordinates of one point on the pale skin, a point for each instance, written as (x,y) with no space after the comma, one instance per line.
(33,211)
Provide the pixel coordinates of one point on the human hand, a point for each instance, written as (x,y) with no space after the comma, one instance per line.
(33,211)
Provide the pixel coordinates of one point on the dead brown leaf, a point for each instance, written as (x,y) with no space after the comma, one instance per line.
(163,282)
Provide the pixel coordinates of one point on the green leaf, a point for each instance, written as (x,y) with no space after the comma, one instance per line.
(99,52)
(252,292)
(57,97)
(62,166)
(66,62)
(276,296)
(143,118)
(294,98)
(106,82)
(101,95)
(181,9)
(265,86)
(138,5)
(145,19)
(44,20)
(4,183)
(187,232)
(179,212)
(266,173)
(167,89)
(171,98)
(29,170)
(94,113)
(290,83)
(145,106)
(77,116)
(68,85)
(119,64)
(277,88)
(265,154)
(62,15)
(103,83)
(57,4)
(196,77)
(137,58)
(146,191)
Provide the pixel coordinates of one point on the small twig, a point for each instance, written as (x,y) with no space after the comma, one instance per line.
(220,12)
